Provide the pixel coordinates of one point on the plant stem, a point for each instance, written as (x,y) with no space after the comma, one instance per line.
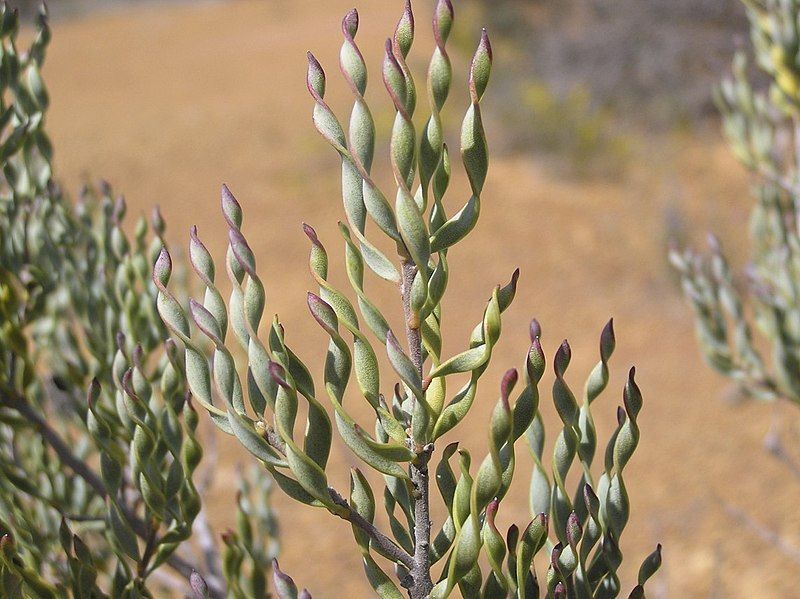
(412,321)
(59,446)
(382,544)
(767,535)
(420,584)
(421,572)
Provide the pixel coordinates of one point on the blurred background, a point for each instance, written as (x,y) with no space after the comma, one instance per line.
(606,146)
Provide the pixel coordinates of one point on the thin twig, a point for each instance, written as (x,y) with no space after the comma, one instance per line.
(383,544)
(769,536)
(15,401)
(412,327)
(208,547)
(773,442)
(149,548)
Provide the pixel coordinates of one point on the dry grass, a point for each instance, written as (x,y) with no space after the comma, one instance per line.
(169,103)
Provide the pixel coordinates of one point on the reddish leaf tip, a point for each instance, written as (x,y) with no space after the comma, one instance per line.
(507,385)
(311,234)
(535,330)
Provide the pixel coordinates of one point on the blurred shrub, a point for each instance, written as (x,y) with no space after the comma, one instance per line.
(763,127)
(648,59)
(574,128)
(98,433)
(588,77)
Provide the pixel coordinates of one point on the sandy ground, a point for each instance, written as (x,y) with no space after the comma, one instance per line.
(169,103)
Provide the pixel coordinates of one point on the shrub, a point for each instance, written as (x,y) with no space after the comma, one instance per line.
(732,311)
(98,435)
(98,496)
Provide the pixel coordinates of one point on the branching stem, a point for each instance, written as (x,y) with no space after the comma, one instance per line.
(383,544)
(18,403)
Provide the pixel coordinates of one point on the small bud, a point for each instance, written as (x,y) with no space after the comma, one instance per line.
(315,78)
(393,77)
(162,270)
(241,249)
(157,221)
(607,341)
(228,537)
(506,293)
(632,396)
(404,32)
(442,21)
(205,321)
(481,68)
(591,500)
(535,330)
(171,349)
(138,357)
(127,384)
(322,312)
(200,257)
(507,385)
(536,361)
(563,356)
(714,243)
(141,229)
(311,234)
(120,208)
(284,585)
(350,24)
(231,208)
(574,530)
(650,565)
(555,554)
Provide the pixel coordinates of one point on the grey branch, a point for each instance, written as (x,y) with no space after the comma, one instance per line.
(15,401)
(769,536)
(420,583)
(382,544)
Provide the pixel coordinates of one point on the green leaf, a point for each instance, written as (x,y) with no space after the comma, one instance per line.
(123,533)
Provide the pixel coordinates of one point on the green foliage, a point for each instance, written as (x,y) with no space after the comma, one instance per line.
(573,127)
(763,128)
(575,530)
(98,434)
